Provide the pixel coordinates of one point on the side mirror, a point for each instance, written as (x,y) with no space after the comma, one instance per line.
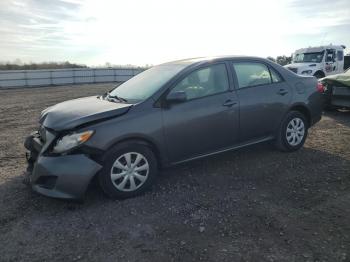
(176,97)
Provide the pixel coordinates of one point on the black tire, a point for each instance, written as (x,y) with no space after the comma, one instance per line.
(281,138)
(116,152)
(319,75)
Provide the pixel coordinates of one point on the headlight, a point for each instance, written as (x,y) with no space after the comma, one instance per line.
(72,140)
(306,72)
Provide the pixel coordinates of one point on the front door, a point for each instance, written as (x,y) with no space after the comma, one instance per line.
(331,62)
(340,62)
(207,121)
(264,98)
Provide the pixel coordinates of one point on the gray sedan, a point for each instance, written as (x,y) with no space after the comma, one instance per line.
(169,114)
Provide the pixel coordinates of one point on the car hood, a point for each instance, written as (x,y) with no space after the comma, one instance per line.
(73,113)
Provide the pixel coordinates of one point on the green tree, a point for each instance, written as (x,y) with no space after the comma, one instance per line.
(283,60)
(271,58)
(17,65)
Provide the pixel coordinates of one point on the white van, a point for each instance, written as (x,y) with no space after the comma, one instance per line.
(318,61)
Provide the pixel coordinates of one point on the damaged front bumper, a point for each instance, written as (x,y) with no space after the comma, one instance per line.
(62,176)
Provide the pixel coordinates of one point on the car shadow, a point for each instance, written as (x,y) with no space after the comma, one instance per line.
(256,166)
(340,116)
(250,194)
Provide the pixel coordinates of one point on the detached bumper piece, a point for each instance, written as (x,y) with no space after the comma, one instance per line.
(65,176)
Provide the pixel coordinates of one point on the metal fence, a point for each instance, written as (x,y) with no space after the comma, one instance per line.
(28,78)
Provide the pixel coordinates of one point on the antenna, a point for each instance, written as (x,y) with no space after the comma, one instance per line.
(324,36)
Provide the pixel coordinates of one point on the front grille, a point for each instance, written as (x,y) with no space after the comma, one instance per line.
(293,69)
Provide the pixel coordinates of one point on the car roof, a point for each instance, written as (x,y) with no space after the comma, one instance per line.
(199,60)
(313,49)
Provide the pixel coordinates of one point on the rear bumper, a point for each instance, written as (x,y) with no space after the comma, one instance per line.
(66,176)
(341,96)
(316,119)
(315,107)
(338,96)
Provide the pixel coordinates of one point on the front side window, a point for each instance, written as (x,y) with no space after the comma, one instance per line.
(330,55)
(204,82)
(252,74)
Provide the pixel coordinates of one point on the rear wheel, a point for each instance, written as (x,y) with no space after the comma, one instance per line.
(129,169)
(292,132)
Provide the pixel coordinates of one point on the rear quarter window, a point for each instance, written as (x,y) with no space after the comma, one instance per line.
(275,77)
(252,74)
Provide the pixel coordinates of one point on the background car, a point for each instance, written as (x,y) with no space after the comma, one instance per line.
(337,91)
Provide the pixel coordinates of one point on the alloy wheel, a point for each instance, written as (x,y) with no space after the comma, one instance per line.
(295,131)
(129,171)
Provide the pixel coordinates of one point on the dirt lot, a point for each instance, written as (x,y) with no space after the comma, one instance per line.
(255,204)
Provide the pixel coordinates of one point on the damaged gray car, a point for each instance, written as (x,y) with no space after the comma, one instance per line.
(169,114)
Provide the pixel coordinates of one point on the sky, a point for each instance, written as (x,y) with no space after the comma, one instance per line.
(94,32)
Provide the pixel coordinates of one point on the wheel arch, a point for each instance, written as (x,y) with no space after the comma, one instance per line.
(319,72)
(302,109)
(144,141)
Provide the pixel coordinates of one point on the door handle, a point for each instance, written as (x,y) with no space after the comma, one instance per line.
(282,92)
(229,103)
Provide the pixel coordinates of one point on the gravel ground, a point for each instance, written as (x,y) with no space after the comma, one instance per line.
(254,204)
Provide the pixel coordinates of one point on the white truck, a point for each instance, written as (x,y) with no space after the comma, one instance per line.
(318,61)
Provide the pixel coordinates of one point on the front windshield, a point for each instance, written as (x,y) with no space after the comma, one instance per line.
(145,84)
(315,57)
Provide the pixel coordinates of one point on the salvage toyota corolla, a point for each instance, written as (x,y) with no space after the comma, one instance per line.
(168,114)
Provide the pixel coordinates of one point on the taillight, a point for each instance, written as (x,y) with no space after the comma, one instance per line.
(320,87)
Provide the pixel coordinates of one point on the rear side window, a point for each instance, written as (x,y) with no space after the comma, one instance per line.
(252,74)
(275,77)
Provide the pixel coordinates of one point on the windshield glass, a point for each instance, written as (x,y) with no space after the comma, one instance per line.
(315,57)
(145,84)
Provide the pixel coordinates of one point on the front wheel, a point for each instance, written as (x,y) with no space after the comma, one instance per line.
(129,169)
(292,132)
(319,75)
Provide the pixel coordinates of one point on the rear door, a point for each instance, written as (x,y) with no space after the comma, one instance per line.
(264,98)
(208,120)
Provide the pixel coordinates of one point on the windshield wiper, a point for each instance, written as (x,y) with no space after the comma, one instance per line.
(120,99)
